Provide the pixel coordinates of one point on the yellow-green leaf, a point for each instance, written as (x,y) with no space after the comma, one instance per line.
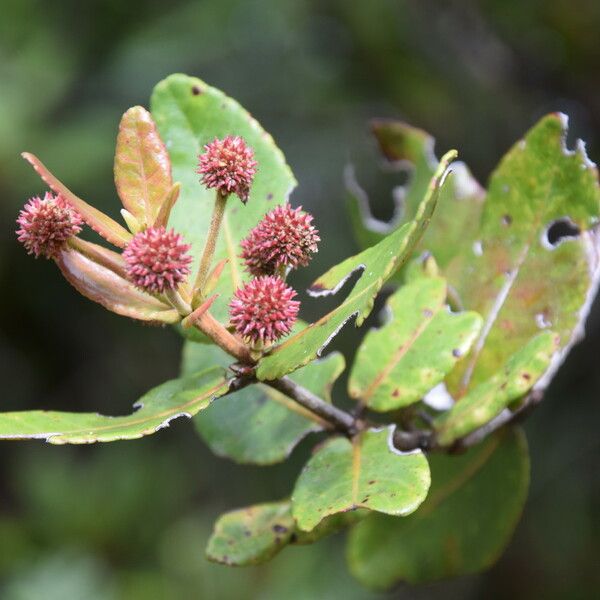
(155,410)
(366,472)
(413,352)
(376,265)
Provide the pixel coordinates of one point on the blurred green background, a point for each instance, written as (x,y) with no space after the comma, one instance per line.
(130,520)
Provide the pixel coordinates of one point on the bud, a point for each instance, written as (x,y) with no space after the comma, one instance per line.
(45,225)
(229,166)
(157,260)
(263,310)
(285,238)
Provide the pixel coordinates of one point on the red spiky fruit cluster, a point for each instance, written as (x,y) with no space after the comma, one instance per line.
(284,238)
(157,260)
(45,225)
(228,165)
(263,310)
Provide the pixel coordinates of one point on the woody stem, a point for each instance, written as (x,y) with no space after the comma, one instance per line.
(221,337)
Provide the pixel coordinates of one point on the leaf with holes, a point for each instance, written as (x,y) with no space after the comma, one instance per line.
(409,149)
(189,114)
(365,472)
(260,425)
(490,398)
(517,278)
(142,167)
(413,352)
(155,410)
(472,509)
(376,265)
(253,535)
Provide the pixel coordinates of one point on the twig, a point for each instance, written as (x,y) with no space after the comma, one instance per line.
(208,325)
(338,418)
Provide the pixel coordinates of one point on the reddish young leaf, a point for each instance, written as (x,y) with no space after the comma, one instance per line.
(95,273)
(142,166)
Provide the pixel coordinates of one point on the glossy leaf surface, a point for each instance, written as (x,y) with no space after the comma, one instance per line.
(367,472)
(155,410)
(490,398)
(473,506)
(413,352)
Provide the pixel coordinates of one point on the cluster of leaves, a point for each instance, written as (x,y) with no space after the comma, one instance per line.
(490,289)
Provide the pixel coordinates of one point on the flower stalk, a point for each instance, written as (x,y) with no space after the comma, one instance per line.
(210,246)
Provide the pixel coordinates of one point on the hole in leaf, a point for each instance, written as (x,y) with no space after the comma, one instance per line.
(560,230)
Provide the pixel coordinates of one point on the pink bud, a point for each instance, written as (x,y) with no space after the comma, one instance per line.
(45,225)
(263,310)
(157,260)
(229,166)
(284,238)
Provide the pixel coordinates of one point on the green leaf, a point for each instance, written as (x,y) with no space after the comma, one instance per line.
(189,114)
(513,276)
(253,535)
(491,397)
(260,425)
(142,166)
(367,472)
(455,221)
(376,264)
(155,410)
(473,506)
(413,352)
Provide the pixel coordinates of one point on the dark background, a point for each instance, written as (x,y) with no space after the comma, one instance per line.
(130,519)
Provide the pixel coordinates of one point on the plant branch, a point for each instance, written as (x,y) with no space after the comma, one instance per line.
(217,332)
(211,244)
(338,418)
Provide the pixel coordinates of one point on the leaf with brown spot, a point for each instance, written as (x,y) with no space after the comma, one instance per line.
(488,399)
(253,535)
(463,526)
(414,350)
(336,479)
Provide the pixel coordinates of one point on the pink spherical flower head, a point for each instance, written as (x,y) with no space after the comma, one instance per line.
(45,225)
(284,238)
(229,166)
(157,260)
(263,310)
